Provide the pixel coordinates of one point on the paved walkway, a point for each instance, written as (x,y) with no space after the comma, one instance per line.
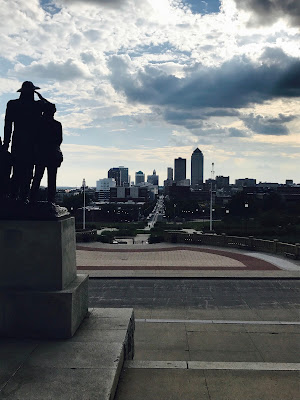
(209,339)
(167,260)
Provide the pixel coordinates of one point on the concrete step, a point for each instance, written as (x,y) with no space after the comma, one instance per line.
(196,384)
(85,367)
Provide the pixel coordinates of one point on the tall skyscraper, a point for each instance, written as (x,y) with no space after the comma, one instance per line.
(115,173)
(139,177)
(153,179)
(124,176)
(197,168)
(170,174)
(180,169)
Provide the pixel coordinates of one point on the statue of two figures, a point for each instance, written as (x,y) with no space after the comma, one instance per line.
(35,138)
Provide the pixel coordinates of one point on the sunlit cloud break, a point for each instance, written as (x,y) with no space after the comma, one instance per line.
(126,74)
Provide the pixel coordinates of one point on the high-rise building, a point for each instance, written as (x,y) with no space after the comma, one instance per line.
(139,177)
(170,174)
(153,179)
(115,174)
(197,168)
(124,179)
(180,169)
(120,174)
(103,188)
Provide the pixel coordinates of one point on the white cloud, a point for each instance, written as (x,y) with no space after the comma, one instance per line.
(69,53)
(9,85)
(60,71)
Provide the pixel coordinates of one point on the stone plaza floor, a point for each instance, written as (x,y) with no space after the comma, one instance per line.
(167,260)
(211,323)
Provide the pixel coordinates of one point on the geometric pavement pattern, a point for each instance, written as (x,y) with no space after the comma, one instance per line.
(174,258)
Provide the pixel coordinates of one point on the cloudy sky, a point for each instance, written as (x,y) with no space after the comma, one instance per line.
(140,82)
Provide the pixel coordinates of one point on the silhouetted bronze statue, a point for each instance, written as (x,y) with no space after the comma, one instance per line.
(22,120)
(47,153)
(5,171)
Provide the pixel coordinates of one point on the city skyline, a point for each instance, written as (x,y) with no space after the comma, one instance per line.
(137,82)
(223,176)
(207,175)
(197,158)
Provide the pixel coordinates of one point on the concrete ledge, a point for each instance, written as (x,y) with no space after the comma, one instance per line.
(151,274)
(44,314)
(85,367)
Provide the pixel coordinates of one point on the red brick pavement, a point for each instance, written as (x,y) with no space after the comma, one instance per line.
(250,263)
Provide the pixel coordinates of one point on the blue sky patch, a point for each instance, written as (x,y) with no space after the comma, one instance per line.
(25,60)
(49,6)
(5,65)
(203,6)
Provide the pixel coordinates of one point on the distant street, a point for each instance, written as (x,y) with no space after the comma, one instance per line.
(157,214)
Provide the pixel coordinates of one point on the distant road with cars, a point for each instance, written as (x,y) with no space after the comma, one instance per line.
(157,214)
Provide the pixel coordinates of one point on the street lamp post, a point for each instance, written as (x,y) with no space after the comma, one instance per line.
(211,197)
(227,212)
(246,209)
(83,216)
(210,208)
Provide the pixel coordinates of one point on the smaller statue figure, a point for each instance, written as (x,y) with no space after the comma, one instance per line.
(47,153)
(5,171)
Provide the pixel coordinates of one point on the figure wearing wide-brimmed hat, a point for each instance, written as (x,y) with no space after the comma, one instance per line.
(21,125)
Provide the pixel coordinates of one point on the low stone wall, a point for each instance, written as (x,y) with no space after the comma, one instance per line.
(248,243)
(85,235)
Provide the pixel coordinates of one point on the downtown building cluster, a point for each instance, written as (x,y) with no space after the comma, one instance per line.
(119,188)
(178,175)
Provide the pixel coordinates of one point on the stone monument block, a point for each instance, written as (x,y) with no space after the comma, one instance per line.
(47,314)
(37,254)
(41,295)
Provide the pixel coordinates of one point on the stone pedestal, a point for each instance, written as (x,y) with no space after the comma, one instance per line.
(41,294)
(37,254)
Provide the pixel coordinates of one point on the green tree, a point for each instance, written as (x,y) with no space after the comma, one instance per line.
(72,203)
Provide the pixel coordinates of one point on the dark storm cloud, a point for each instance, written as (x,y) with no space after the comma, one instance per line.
(288,84)
(266,12)
(222,113)
(268,126)
(212,92)
(235,84)
(275,55)
(193,119)
(178,117)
